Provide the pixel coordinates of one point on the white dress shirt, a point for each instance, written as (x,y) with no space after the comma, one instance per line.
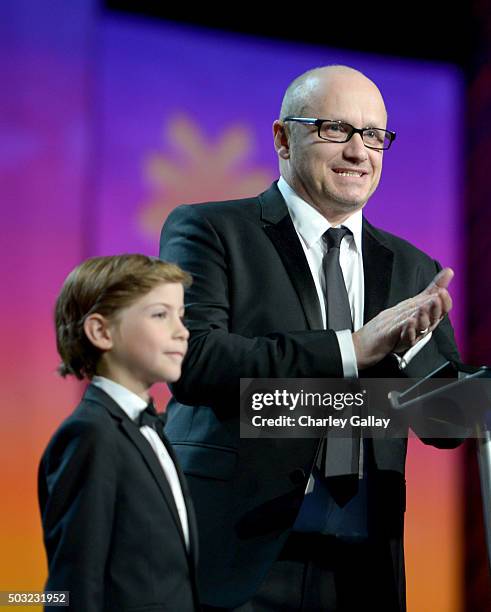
(310,226)
(133,405)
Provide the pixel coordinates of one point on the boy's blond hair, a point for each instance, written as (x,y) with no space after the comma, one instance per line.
(103,285)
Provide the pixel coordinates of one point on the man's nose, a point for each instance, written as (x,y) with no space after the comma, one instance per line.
(355,149)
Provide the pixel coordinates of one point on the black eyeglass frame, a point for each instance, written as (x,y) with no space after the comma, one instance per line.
(353,130)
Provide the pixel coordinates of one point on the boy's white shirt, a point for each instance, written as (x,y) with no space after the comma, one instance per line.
(133,405)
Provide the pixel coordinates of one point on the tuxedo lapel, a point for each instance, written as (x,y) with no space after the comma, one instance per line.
(377,270)
(378,260)
(281,232)
(150,458)
(192,524)
(133,433)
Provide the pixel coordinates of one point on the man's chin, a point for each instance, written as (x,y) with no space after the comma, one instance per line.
(345,201)
(349,206)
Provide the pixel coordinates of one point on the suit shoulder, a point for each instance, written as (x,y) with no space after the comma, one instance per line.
(88,427)
(217,211)
(401,246)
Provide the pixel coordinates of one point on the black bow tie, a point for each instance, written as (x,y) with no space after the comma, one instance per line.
(150,418)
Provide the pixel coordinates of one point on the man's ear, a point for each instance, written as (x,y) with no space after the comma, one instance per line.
(281,139)
(97,330)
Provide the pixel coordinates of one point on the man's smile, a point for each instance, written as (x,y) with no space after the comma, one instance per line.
(349,172)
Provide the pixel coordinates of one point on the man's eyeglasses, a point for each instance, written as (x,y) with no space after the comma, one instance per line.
(340,131)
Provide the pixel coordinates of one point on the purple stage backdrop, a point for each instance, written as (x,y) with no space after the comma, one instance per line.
(186,116)
(109,123)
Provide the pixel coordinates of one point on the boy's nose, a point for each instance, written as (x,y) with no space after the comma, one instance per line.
(181,330)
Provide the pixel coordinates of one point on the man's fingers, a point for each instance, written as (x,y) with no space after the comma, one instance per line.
(435,305)
(441,280)
(435,311)
(403,325)
(446,301)
(409,334)
(423,322)
(419,314)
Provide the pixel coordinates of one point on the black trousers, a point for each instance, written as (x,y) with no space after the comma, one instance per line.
(321,573)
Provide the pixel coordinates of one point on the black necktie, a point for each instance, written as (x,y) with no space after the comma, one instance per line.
(340,456)
(338,313)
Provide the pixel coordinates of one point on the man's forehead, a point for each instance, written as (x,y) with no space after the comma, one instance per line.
(345,99)
(339,77)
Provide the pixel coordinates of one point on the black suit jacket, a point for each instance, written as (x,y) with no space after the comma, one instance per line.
(111,528)
(253,311)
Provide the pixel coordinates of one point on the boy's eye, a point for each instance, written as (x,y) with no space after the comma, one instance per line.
(160,315)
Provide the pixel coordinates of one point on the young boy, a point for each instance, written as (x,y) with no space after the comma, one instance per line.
(118,524)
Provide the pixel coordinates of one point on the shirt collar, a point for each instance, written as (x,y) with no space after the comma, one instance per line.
(128,401)
(310,224)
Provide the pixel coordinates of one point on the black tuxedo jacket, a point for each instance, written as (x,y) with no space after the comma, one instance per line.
(111,528)
(253,311)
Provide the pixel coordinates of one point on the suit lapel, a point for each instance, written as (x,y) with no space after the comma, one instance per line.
(150,458)
(378,260)
(133,433)
(192,524)
(281,232)
(377,270)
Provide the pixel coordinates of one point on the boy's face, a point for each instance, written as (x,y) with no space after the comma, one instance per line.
(149,340)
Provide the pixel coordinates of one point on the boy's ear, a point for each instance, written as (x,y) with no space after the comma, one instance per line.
(96,328)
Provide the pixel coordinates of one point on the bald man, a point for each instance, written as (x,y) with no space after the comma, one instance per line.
(295,283)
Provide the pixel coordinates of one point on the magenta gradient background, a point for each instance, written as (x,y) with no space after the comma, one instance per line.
(86,102)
